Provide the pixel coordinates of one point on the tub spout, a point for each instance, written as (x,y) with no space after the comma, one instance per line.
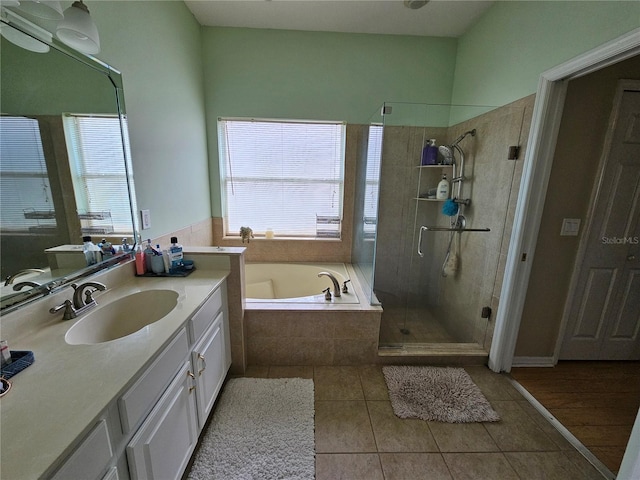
(336,285)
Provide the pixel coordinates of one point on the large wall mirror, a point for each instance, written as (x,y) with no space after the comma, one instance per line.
(64,166)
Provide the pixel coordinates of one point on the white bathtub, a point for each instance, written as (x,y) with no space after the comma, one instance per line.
(295,283)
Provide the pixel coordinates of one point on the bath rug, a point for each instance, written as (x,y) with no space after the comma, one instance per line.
(262,429)
(441,394)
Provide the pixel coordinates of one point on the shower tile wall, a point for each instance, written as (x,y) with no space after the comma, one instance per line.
(448,309)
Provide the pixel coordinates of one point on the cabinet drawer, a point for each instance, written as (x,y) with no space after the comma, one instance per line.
(204,317)
(90,458)
(139,399)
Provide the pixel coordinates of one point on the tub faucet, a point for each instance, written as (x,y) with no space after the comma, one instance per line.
(336,285)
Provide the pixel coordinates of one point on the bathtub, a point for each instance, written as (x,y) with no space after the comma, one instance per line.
(296,283)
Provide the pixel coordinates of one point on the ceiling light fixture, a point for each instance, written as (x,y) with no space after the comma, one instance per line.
(415,4)
(28,41)
(78,30)
(47,9)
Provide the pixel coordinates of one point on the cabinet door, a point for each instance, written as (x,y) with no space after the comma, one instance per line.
(164,443)
(209,367)
(91,458)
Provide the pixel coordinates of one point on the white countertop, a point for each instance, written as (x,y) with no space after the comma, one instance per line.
(57,399)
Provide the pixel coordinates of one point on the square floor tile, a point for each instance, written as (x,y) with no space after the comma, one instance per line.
(302,371)
(373,384)
(462,437)
(337,383)
(343,427)
(545,466)
(348,466)
(395,434)
(480,466)
(414,466)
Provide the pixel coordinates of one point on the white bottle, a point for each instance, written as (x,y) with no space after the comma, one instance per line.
(442,193)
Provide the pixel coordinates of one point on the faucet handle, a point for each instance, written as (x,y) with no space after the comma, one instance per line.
(69,311)
(344,286)
(327,293)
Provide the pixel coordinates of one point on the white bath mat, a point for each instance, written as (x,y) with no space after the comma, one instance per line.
(262,429)
(441,394)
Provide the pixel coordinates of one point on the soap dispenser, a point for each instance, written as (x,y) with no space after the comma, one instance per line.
(442,192)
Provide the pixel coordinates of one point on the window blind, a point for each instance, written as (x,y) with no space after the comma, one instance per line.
(372,186)
(97,159)
(283,175)
(25,193)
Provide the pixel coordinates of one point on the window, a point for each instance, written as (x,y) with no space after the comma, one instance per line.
(97,161)
(284,175)
(372,187)
(26,202)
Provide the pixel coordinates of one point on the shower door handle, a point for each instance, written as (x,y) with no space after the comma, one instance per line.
(422,229)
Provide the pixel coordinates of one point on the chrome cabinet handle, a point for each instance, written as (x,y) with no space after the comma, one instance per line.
(204,364)
(192,387)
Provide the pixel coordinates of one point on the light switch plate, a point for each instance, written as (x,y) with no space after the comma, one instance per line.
(146,219)
(570,227)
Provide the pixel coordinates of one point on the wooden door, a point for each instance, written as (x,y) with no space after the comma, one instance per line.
(604,312)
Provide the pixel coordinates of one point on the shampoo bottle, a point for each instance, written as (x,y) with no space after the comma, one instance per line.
(442,192)
(430,153)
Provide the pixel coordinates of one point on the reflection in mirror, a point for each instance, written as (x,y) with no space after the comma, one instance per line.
(65,167)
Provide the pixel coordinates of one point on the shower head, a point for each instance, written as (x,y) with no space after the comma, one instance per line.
(447,154)
(459,139)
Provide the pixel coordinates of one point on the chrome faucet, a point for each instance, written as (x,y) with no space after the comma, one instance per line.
(79,305)
(336,285)
(86,287)
(9,280)
(19,286)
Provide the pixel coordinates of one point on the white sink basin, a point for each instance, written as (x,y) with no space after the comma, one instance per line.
(122,317)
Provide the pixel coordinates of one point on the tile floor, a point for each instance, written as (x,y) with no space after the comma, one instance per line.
(359,437)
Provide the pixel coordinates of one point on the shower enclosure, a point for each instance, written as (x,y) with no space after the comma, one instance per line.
(436,271)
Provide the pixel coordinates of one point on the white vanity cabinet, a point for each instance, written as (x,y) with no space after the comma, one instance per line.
(162,446)
(164,443)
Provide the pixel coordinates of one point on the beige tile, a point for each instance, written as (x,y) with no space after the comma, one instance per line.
(337,383)
(589,472)
(395,434)
(373,383)
(494,386)
(516,431)
(545,426)
(462,437)
(362,466)
(256,371)
(480,466)
(297,371)
(545,466)
(413,466)
(343,427)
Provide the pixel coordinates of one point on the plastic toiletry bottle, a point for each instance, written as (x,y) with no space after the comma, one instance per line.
(140,261)
(106,249)
(165,259)
(430,153)
(126,248)
(175,253)
(91,251)
(148,256)
(157,262)
(442,192)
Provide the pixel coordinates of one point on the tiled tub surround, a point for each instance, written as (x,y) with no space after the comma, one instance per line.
(55,401)
(326,333)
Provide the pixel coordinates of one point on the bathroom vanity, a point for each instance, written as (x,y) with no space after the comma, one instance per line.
(132,407)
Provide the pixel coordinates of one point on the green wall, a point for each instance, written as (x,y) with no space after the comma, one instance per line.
(317,75)
(157,47)
(501,57)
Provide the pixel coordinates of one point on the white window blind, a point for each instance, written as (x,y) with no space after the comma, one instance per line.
(25,194)
(372,186)
(98,171)
(283,175)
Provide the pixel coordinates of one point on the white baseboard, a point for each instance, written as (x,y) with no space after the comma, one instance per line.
(533,362)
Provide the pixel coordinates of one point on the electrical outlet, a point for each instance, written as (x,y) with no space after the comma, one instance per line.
(146,219)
